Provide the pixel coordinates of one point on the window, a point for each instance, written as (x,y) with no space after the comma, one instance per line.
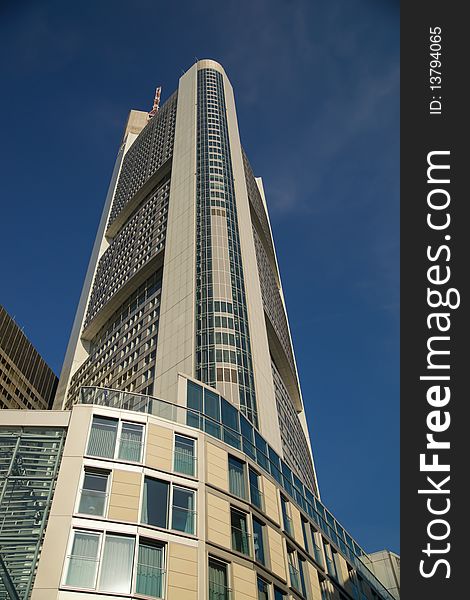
(184,455)
(212,410)
(94,493)
(155,506)
(116,564)
(279,594)
(130,444)
(317,551)
(105,562)
(83,560)
(330,563)
(302,572)
(258,540)
(263,589)
(183,513)
(236,477)
(150,573)
(255,493)
(218,589)
(239,528)
(155,502)
(285,515)
(104,434)
(305,531)
(293,570)
(194,404)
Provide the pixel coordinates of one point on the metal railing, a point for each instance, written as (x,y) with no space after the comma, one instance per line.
(241,541)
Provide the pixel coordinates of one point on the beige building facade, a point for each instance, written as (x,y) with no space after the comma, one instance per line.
(155,500)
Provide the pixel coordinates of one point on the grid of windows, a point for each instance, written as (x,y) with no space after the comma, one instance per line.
(152,148)
(142,238)
(168,506)
(123,352)
(25,379)
(115,439)
(296,451)
(272,302)
(107,561)
(215,186)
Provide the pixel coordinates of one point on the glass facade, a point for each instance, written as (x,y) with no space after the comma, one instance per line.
(239,433)
(223,349)
(29,464)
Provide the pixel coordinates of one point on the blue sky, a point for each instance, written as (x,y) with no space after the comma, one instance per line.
(317,92)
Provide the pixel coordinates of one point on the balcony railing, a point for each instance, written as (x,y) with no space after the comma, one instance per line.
(92,502)
(183,519)
(219,592)
(184,462)
(241,541)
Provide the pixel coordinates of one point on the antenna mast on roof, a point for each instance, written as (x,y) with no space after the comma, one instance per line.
(156,103)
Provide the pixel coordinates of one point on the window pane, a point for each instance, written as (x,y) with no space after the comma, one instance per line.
(261,452)
(155,502)
(263,590)
(130,447)
(150,571)
(83,560)
(218,581)
(240,537)
(212,409)
(102,437)
(247,437)
(94,492)
(194,402)
(236,476)
(230,420)
(116,565)
(258,541)
(184,460)
(255,494)
(278,594)
(183,518)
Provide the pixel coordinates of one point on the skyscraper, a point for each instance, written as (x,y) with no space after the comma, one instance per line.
(25,379)
(184,276)
(180,464)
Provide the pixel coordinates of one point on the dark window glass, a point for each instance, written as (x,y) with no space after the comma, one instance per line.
(261,451)
(155,502)
(258,541)
(255,493)
(212,409)
(230,420)
(263,589)
(236,477)
(194,403)
(247,434)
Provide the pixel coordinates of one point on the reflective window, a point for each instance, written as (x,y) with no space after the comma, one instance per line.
(183,513)
(236,477)
(240,535)
(184,455)
(150,570)
(258,540)
(155,502)
(94,493)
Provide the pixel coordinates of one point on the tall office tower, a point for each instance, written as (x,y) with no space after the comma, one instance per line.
(25,379)
(179,466)
(184,276)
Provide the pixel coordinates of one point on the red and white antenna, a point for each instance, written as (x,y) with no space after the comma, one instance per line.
(156,103)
